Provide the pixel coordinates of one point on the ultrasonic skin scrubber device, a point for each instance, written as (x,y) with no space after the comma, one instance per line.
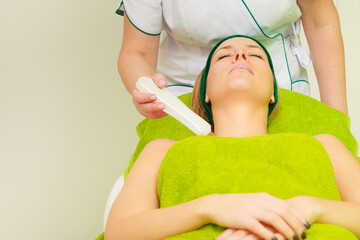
(174,107)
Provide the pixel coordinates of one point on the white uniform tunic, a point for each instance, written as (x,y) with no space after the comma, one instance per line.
(193,27)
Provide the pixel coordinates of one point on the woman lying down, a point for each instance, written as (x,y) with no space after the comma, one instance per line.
(239,183)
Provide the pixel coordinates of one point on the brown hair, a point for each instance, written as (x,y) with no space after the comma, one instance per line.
(196,105)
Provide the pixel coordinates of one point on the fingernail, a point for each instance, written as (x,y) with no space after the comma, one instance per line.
(303,235)
(274,238)
(295,237)
(162,82)
(307,225)
(161,106)
(153,97)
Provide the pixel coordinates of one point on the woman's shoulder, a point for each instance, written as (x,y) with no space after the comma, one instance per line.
(159,145)
(328,140)
(336,150)
(153,154)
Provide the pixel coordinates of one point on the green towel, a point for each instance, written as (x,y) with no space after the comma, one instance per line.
(297,113)
(100,237)
(283,165)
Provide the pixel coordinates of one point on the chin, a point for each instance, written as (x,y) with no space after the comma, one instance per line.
(240,84)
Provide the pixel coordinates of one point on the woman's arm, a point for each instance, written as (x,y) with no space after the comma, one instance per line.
(138,57)
(322,29)
(136,214)
(345,213)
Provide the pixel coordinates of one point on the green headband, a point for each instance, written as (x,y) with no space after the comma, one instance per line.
(204,75)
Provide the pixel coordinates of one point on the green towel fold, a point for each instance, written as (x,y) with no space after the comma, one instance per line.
(283,165)
(297,113)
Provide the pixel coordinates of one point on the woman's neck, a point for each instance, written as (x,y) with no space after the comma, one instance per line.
(240,122)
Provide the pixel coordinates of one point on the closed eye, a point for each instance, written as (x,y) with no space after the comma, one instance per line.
(256,55)
(223,56)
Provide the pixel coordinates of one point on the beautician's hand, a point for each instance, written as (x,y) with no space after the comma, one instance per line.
(254,210)
(144,101)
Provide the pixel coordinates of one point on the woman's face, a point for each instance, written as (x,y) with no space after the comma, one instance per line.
(239,65)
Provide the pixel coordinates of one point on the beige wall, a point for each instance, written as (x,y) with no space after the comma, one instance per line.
(67,126)
(350,24)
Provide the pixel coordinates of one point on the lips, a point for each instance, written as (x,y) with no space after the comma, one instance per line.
(242,67)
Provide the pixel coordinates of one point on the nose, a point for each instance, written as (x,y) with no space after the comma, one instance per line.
(240,56)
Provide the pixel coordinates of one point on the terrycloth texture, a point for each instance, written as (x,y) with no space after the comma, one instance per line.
(296,113)
(100,237)
(283,165)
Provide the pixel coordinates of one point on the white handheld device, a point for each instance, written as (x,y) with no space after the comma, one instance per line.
(174,107)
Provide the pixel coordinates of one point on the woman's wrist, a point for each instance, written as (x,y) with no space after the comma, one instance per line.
(318,208)
(205,207)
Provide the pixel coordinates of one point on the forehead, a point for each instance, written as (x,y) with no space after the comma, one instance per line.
(239,42)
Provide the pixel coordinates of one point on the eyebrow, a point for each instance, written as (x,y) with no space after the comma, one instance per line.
(231,46)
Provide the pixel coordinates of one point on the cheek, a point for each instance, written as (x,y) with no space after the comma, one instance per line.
(266,82)
(214,72)
(213,80)
(267,76)
(270,86)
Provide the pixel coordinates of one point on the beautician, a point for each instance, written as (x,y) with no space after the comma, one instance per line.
(191,28)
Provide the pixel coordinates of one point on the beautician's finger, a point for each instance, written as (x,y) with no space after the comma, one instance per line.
(152,110)
(160,80)
(152,107)
(156,115)
(228,232)
(139,97)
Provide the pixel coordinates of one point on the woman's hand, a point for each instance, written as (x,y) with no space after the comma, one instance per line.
(252,211)
(239,234)
(234,234)
(307,206)
(144,102)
